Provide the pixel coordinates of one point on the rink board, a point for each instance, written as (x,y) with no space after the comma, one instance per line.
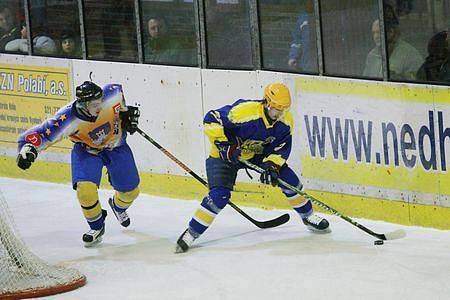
(351,146)
(29,94)
(351,178)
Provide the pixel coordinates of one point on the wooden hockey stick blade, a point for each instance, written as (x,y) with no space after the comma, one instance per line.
(262,224)
(272,223)
(394,235)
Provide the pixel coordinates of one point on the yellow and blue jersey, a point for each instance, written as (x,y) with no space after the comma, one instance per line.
(245,123)
(95,133)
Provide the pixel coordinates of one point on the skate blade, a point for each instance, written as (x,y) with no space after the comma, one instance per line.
(93,244)
(178,250)
(315,230)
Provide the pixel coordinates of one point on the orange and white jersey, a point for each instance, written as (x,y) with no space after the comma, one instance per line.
(96,133)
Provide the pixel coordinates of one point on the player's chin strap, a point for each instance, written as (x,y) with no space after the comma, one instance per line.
(261,224)
(387,236)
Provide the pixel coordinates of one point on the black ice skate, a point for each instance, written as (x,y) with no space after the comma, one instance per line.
(184,241)
(93,237)
(122,217)
(317,224)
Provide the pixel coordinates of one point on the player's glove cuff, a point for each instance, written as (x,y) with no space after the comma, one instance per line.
(228,152)
(130,119)
(270,174)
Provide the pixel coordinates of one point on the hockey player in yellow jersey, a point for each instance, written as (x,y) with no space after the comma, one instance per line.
(97,122)
(259,131)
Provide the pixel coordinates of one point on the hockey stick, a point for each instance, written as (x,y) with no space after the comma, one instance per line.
(397,234)
(261,224)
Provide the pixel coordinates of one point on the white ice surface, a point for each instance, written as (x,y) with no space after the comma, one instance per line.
(233,259)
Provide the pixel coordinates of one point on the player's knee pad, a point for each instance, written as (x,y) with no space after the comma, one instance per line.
(87,195)
(219,196)
(125,199)
(216,200)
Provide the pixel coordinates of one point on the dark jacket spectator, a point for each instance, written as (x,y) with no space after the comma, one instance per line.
(302,52)
(42,45)
(8,30)
(164,48)
(437,64)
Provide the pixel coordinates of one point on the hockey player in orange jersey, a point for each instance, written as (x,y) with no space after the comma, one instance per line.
(97,122)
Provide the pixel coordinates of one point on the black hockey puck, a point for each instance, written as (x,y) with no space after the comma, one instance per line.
(378,242)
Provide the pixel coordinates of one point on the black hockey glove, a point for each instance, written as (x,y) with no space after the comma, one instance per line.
(270,174)
(228,152)
(130,119)
(27,155)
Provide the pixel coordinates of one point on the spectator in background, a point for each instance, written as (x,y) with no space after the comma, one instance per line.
(404,59)
(302,51)
(68,45)
(42,45)
(8,30)
(390,13)
(437,64)
(163,47)
(402,7)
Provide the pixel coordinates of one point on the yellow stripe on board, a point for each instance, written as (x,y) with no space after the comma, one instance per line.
(41,170)
(389,211)
(387,177)
(250,194)
(373,90)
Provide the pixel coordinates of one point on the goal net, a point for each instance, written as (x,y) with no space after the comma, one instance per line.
(23,274)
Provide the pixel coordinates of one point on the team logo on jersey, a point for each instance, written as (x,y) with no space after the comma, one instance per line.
(255,146)
(34,139)
(99,134)
(252,146)
(116,108)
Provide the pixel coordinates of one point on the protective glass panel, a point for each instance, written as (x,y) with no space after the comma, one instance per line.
(168,33)
(13,35)
(54,31)
(110,30)
(348,40)
(288,36)
(418,39)
(228,34)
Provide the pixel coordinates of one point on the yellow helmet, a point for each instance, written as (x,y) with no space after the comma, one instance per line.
(277,96)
